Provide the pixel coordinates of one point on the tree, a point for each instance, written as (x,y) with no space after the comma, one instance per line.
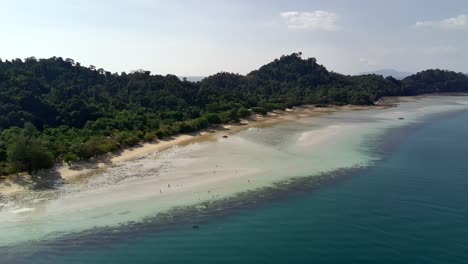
(243,112)
(28,154)
(29,130)
(259,110)
(149,136)
(68,158)
(213,118)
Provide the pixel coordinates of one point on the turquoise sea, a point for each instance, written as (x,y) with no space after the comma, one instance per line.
(409,207)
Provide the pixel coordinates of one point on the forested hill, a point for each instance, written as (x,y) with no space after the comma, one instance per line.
(57,110)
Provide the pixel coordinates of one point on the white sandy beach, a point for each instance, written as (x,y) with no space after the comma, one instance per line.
(85,169)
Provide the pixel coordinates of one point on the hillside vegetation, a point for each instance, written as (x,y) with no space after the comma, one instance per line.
(55,110)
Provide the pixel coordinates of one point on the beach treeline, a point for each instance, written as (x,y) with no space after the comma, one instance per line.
(57,110)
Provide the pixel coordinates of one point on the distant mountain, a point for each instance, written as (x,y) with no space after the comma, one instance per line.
(389,72)
(192,78)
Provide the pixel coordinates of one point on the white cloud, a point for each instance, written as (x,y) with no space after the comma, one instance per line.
(458,22)
(315,21)
(367,62)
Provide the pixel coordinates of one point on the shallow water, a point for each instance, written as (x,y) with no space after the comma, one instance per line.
(308,227)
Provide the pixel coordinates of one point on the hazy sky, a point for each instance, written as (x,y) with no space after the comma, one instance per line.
(204,37)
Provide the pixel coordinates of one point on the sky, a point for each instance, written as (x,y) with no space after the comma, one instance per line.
(203,37)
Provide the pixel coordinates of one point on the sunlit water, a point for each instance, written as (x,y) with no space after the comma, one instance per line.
(392,210)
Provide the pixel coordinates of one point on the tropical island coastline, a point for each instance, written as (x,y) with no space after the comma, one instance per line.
(58,111)
(231,132)
(80,171)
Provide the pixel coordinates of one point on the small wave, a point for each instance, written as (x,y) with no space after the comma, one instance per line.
(319,135)
(23,210)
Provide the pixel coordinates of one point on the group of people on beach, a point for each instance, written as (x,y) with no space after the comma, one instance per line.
(209,191)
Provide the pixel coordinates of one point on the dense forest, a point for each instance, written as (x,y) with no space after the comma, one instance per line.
(56,110)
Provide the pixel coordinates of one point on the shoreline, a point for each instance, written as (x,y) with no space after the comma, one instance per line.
(77,173)
(202,175)
(83,170)
(213,133)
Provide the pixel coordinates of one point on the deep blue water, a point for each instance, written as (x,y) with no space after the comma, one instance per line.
(411,207)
